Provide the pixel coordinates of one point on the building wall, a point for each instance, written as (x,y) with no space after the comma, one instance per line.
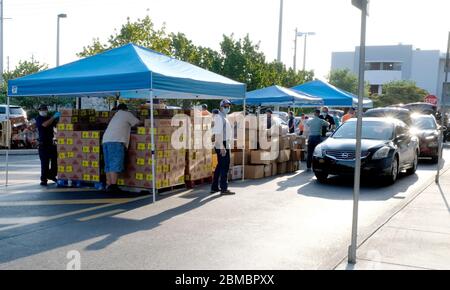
(425,70)
(425,67)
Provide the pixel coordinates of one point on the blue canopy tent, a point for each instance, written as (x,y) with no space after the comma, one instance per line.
(280,96)
(331,95)
(129,71)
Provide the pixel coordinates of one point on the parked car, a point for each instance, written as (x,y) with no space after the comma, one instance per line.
(427,130)
(422,108)
(14,112)
(282,115)
(388,147)
(391,112)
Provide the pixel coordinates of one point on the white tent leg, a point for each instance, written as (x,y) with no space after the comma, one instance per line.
(153,149)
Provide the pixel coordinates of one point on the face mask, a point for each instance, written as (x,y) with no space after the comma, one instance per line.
(43,114)
(226,110)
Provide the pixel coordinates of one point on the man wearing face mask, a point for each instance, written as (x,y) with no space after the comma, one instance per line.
(47,147)
(222,133)
(327,117)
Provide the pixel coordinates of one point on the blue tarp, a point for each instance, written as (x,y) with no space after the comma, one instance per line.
(331,95)
(129,71)
(276,95)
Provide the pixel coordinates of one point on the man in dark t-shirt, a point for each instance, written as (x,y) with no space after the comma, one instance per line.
(327,117)
(47,147)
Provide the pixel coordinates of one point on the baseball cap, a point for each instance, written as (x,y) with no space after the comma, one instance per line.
(225,102)
(43,108)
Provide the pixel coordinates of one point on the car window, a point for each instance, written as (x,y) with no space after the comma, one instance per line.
(370,130)
(15,111)
(2,110)
(401,130)
(424,123)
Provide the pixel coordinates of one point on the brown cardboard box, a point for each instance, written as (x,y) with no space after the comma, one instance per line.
(296,154)
(281,168)
(261,157)
(290,167)
(274,168)
(254,171)
(268,170)
(284,156)
(238,157)
(236,172)
(285,143)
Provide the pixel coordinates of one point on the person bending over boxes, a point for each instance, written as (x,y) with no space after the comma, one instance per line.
(115,142)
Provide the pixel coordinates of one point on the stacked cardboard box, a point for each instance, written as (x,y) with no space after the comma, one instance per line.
(80,155)
(169,163)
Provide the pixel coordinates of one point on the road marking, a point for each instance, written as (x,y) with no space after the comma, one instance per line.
(64,202)
(75,212)
(112,212)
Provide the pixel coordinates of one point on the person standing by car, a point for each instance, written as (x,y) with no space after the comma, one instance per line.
(47,147)
(291,123)
(223,138)
(350,114)
(327,117)
(115,142)
(315,126)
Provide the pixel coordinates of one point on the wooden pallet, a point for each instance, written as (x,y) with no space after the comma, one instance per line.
(80,184)
(166,190)
(198,182)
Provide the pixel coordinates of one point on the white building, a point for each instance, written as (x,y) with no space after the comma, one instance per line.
(396,62)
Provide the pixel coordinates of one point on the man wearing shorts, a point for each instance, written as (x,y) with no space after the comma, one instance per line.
(115,142)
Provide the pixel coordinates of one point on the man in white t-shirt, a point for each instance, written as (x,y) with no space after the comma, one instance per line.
(115,142)
(223,139)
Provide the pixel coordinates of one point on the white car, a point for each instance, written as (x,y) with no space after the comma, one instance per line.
(14,112)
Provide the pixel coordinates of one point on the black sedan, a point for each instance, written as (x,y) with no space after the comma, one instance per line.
(388,147)
(427,130)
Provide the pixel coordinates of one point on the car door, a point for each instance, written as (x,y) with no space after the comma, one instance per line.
(403,140)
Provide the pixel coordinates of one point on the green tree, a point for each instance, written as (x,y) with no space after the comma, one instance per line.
(344,79)
(141,32)
(400,92)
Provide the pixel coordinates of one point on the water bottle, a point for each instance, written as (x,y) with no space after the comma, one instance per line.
(69,183)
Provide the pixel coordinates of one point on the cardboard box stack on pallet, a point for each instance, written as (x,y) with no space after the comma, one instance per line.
(79,138)
(261,163)
(169,163)
(199,158)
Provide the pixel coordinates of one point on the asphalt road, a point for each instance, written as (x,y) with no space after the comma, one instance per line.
(287,222)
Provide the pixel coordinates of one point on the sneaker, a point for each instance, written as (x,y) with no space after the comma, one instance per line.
(114,188)
(214,191)
(227,192)
(54,180)
(43,183)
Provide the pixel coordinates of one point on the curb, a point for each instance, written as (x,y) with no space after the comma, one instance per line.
(20,152)
(380,222)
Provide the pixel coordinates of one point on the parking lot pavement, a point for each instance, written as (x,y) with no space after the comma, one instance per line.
(285,222)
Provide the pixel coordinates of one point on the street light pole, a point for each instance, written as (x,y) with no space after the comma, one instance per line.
(361,4)
(280,31)
(300,34)
(57,36)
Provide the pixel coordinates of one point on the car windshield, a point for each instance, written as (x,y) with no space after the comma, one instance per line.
(15,111)
(424,123)
(370,130)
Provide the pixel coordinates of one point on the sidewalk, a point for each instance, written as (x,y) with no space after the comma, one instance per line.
(417,237)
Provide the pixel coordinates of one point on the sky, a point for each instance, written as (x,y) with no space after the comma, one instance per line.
(31,31)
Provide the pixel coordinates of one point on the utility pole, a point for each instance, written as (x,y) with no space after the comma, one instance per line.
(443,109)
(295,50)
(362,5)
(280,31)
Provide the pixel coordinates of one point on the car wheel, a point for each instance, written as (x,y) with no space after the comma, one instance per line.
(321,177)
(413,169)
(392,178)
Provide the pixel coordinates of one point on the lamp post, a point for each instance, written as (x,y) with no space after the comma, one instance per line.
(62,15)
(362,5)
(280,31)
(300,34)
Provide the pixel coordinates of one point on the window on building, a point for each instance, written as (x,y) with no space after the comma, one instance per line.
(374,89)
(392,66)
(373,66)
